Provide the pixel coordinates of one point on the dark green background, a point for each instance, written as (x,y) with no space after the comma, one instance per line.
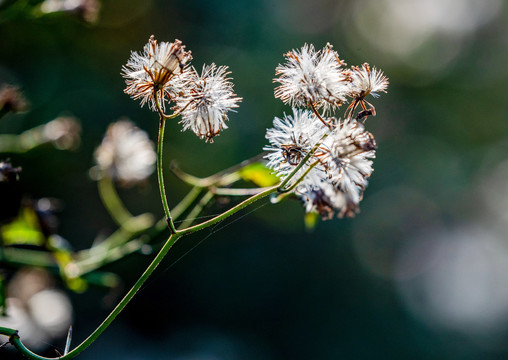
(260,286)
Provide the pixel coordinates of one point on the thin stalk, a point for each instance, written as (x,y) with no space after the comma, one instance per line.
(327,124)
(237,191)
(230,212)
(282,185)
(97,259)
(15,340)
(288,192)
(320,117)
(169,219)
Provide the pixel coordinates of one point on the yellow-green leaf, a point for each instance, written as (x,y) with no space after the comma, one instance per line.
(259,174)
(24,229)
(311,220)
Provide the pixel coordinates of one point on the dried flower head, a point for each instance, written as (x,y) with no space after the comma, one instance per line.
(291,138)
(64,132)
(365,81)
(205,101)
(312,77)
(346,155)
(322,197)
(11,99)
(151,75)
(126,153)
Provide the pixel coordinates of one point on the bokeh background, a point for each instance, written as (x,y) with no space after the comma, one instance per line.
(420,273)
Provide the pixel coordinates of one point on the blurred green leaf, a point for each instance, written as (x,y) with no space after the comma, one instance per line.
(259,174)
(24,230)
(64,258)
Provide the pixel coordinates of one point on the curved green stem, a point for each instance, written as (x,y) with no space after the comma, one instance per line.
(111,200)
(169,219)
(16,341)
(224,177)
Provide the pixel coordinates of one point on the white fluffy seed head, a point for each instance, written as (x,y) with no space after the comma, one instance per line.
(205,101)
(312,77)
(156,72)
(291,138)
(365,81)
(346,155)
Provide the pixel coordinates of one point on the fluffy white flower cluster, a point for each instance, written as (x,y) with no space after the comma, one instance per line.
(339,152)
(161,74)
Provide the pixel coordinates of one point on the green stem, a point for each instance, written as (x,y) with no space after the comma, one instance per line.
(230,212)
(16,341)
(169,219)
(197,209)
(283,184)
(237,191)
(224,177)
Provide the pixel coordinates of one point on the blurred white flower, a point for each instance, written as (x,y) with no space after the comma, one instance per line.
(205,100)
(312,77)
(126,153)
(154,72)
(87,10)
(64,132)
(424,35)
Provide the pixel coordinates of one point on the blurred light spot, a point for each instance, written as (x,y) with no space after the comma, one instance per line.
(52,311)
(40,313)
(426,35)
(464,284)
(494,193)
(18,318)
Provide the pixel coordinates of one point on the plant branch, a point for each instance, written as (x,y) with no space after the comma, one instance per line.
(224,177)
(162,189)
(230,212)
(197,209)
